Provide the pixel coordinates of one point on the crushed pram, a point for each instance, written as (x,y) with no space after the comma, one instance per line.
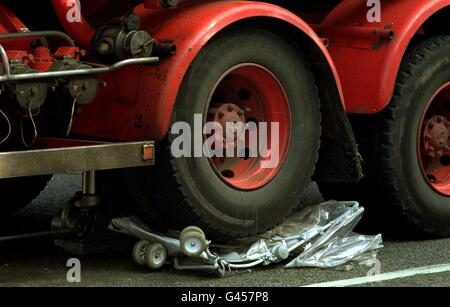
(319,236)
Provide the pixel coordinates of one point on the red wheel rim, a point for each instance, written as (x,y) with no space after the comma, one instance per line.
(434,141)
(250,93)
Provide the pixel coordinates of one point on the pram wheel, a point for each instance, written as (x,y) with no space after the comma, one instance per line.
(192,229)
(193,241)
(139,250)
(155,256)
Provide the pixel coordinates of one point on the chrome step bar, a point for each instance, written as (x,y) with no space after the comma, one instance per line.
(104,156)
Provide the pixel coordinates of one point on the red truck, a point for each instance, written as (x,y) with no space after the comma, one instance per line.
(360,91)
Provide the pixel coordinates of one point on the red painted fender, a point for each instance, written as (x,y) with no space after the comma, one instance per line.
(138,102)
(368,64)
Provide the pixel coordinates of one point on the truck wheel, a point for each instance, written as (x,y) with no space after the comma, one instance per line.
(250,75)
(19,192)
(413,147)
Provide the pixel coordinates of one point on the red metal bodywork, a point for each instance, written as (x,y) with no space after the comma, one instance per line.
(9,23)
(143,107)
(137,102)
(368,64)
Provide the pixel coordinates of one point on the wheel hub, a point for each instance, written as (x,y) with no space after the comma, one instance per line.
(437,133)
(229,113)
(256,90)
(434,151)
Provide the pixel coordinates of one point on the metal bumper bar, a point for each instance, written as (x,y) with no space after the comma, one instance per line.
(95,156)
(7,76)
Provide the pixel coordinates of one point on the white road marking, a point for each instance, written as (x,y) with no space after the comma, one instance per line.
(434,269)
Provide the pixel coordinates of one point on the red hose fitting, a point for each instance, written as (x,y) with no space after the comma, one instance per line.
(42,59)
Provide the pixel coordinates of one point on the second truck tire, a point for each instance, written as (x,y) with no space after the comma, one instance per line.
(408,184)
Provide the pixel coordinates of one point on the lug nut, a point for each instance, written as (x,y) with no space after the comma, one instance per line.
(230,108)
(221,115)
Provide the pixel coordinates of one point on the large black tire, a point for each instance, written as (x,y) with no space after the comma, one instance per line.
(396,188)
(187,191)
(19,192)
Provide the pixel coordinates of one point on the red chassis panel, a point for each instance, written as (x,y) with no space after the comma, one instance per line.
(137,102)
(367,61)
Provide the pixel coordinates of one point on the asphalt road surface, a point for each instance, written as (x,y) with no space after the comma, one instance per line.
(37,262)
